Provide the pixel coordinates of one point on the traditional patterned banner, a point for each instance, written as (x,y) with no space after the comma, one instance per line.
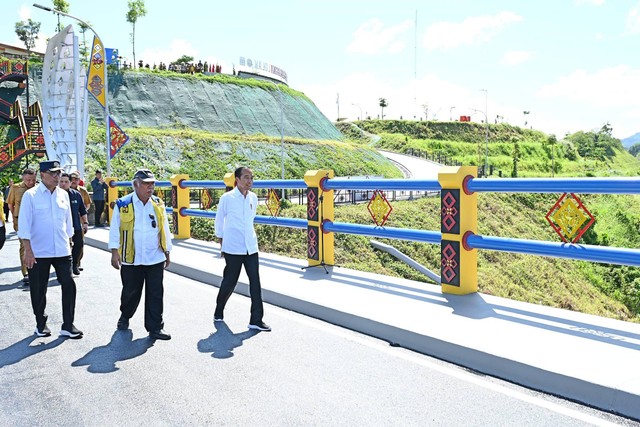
(118,138)
(97,72)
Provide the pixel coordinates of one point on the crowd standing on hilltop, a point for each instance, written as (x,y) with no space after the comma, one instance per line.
(181,67)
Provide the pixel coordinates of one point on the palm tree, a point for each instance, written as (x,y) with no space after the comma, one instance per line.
(136,10)
(383,103)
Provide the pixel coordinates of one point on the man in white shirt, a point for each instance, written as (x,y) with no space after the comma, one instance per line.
(239,246)
(140,241)
(45,227)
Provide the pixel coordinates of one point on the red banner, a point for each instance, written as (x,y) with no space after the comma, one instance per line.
(117,138)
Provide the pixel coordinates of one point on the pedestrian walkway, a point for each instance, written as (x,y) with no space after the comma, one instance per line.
(589,359)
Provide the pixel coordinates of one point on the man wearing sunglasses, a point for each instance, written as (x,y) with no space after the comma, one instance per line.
(140,241)
(45,227)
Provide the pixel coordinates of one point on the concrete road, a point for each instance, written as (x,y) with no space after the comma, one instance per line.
(305,372)
(414,167)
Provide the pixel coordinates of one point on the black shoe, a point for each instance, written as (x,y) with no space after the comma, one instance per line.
(43,332)
(80,268)
(76,270)
(123,324)
(160,335)
(71,332)
(261,326)
(25,282)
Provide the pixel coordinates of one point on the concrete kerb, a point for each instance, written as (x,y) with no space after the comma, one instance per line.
(208,270)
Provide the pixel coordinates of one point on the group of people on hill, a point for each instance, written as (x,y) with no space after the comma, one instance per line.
(50,218)
(182,67)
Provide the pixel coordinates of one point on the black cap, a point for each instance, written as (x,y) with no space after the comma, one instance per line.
(50,166)
(145,175)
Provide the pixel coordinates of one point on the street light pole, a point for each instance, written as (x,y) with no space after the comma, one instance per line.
(486,141)
(486,132)
(450,115)
(281,134)
(106,85)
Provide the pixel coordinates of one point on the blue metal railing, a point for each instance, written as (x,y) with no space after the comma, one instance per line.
(612,255)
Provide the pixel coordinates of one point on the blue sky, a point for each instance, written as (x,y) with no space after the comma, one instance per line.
(573,64)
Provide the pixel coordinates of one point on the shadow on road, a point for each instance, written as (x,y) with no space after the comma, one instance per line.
(102,360)
(23,349)
(222,342)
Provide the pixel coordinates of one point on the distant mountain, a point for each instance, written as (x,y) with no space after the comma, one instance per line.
(628,142)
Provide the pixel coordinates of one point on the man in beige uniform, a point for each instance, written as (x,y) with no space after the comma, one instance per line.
(14,200)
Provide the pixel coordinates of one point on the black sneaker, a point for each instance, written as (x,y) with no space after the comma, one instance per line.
(160,335)
(43,332)
(72,332)
(76,270)
(261,326)
(25,282)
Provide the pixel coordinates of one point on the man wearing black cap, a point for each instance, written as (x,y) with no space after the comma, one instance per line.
(140,241)
(45,227)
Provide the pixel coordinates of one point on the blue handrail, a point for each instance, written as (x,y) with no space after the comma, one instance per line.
(388,232)
(382,184)
(260,219)
(621,256)
(557,185)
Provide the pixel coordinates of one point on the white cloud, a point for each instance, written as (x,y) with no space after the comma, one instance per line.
(633,19)
(475,30)
(405,100)
(609,87)
(372,38)
(515,57)
(24,12)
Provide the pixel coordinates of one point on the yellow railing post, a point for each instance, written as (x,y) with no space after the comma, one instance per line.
(112,196)
(320,246)
(229,180)
(181,227)
(458,216)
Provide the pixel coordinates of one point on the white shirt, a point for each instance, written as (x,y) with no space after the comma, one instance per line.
(234,222)
(45,220)
(146,238)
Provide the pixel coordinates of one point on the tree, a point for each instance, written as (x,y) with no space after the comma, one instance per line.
(62,6)
(84,50)
(383,103)
(552,140)
(516,159)
(136,10)
(184,59)
(28,33)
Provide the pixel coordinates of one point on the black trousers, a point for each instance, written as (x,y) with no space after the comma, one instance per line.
(39,277)
(230,280)
(134,278)
(3,235)
(78,244)
(99,205)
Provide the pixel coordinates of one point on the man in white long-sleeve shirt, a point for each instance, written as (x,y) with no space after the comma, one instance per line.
(45,227)
(234,226)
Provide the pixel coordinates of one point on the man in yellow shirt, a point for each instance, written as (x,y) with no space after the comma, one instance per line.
(14,200)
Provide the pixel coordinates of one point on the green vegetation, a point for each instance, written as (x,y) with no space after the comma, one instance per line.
(580,154)
(206,155)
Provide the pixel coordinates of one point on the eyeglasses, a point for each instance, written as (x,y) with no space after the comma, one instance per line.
(56,173)
(153,221)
